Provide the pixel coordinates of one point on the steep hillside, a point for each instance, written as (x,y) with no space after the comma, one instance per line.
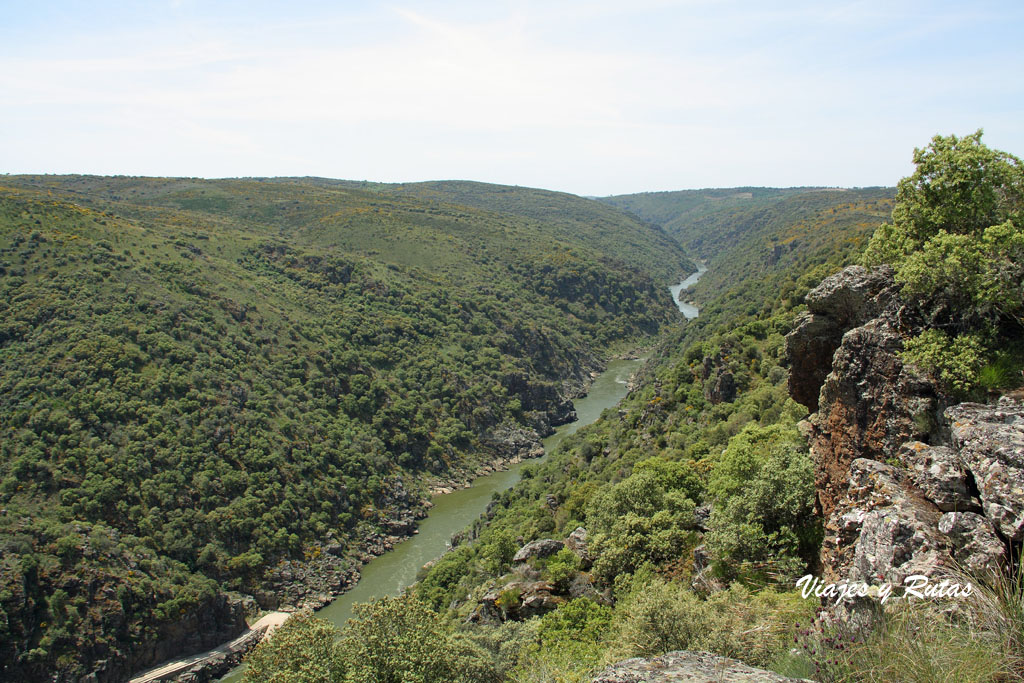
(681,211)
(565,216)
(211,385)
(622,541)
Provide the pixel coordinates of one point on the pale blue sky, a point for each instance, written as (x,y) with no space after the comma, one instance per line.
(588,97)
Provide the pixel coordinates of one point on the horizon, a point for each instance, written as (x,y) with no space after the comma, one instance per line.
(835,188)
(593,99)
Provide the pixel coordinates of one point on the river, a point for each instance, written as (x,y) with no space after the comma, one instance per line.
(688,310)
(396,569)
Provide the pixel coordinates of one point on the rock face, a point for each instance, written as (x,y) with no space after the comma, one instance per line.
(681,665)
(990,440)
(838,304)
(844,357)
(517,600)
(543,547)
(577,542)
(904,486)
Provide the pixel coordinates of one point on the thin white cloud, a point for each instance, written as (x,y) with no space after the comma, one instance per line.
(592,97)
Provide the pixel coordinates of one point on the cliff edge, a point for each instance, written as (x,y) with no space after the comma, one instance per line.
(906,483)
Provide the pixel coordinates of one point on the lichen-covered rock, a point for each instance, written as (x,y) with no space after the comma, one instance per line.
(577,542)
(976,546)
(990,440)
(944,503)
(843,301)
(870,405)
(682,665)
(543,547)
(516,600)
(937,471)
(898,534)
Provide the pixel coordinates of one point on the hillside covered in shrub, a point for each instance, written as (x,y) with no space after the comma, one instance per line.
(200,380)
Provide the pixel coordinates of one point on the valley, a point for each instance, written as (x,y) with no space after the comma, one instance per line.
(230,397)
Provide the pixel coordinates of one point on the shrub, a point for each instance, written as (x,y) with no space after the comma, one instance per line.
(762,487)
(660,616)
(301,651)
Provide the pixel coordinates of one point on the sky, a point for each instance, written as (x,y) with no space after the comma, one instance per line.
(593,98)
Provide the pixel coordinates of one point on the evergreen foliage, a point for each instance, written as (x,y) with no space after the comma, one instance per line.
(201,379)
(956,242)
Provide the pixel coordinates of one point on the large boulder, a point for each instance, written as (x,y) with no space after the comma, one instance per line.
(938,472)
(540,548)
(976,546)
(683,665)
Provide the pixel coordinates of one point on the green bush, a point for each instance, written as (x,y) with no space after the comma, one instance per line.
(956,243)
(762,488)
(638,521)
(401,640)
(301,651)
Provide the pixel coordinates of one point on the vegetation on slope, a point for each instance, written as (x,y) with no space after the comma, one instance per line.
(199,379)
(636,479)
(570,218)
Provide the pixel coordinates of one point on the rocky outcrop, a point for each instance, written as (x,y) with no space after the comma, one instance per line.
(719,382)
(976,545)
(527,595)
(990,441)
(721,388)
(682,665)
(896,528)
(904,486)
(845,364)
(577,543)
(937,472)
(543,547)
(514,443)
(840,303)
(517,600)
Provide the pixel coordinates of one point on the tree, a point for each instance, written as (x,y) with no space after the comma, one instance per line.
(957,246)
(301,651)
(762,487)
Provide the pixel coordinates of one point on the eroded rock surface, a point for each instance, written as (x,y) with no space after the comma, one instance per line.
(683,665)
(904,487)
(990,440)
(537,549)
(838,304)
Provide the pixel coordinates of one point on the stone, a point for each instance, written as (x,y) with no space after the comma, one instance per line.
(936,470)
(843,301)
(543,547)
(682,665)
(990,440)
(723,390)
(702,517)
(870,405)
(893,528)
(976,546)
(577,542)
(701,558)
(533,599)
